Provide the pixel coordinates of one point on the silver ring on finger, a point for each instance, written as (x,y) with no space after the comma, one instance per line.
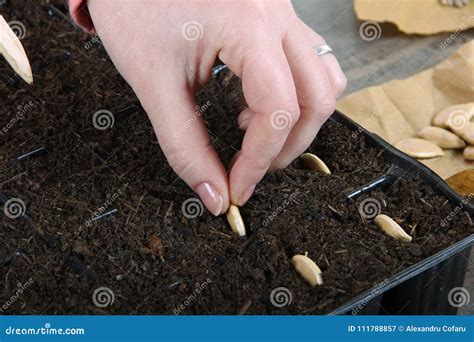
(323,49)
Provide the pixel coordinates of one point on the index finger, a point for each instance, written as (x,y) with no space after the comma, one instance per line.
(270,93)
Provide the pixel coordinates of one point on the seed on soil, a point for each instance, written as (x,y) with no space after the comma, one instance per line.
(235,220)
(312,162)
(13,52)
(308,269)
(443,117)
(441,137)
(419,148)
(391,228)
(468,153)
(465,131)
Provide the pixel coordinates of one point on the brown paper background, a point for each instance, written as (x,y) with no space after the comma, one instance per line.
(400,108)
(417,16)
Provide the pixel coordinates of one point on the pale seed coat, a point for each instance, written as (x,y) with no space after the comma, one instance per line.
(391,228)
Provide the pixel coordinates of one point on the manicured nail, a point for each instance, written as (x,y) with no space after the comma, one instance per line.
(211,198)
(246,195)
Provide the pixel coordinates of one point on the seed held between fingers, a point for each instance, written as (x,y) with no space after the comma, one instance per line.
(312,162)
(391,228)
(235,220)
(308,269)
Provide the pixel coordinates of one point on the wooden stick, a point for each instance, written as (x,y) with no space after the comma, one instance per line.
(12,50)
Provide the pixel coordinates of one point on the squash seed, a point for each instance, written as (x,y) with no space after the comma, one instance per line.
(13,52)
(443,117)
(468,153)
(391,228)
(307,269)
(312,162)
(419,148)
(466,132)
(235,220)
(441,137)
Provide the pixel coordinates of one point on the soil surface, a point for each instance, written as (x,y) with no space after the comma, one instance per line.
(153,256)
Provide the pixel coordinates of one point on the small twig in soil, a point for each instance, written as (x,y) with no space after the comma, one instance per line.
(35,153)
(135,210)
(12,179)
(335,211)
(175,285)
(413,229)
(341,251)
(469,218)
(100,217)
(245,307)
(422,200)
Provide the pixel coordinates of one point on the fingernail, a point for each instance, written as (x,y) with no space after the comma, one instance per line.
(211,198)
(246,195)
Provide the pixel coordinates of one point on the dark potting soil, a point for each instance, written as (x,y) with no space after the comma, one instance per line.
(155,258)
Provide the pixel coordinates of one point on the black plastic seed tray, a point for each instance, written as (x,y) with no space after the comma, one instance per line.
(423,288)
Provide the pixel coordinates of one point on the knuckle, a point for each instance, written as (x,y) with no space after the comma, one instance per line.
(261,163)
(181,159)
(292,108)
(327,106)
(340,84)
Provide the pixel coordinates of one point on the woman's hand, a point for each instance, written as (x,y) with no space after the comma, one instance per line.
(166,49)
